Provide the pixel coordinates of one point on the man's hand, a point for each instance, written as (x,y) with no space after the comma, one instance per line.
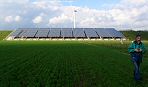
(138,50)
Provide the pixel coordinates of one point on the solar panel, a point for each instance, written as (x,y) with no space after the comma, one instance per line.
(42,33)
(79,33)
(54,33)
(90,33)
(102,32)
(118,34)
(15,33)
(114,33)
(21,35)
(28,33)
(66,33)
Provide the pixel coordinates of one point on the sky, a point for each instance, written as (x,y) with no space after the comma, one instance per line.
(121,14)
(96,4)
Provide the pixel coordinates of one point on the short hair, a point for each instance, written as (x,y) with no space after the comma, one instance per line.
(138,35)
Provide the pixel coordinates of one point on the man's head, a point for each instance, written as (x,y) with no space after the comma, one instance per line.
(138,38)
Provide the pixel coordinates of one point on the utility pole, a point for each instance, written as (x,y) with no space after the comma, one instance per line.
(74,20)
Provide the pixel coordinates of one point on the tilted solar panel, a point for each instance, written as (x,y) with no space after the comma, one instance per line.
(114,33)
(66,28)
(28,33)
(21,35)
(118,34)
(66,33)
(54,33)
(90,33)
(42,33)
(16,33)
(79,33)
(102,32)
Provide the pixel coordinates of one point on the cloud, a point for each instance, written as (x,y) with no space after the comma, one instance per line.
(60,19)
(134,2)
(37,19)
(47,5)
(10,19)
(17,19)
(121,15)
(14,1)
(27,13)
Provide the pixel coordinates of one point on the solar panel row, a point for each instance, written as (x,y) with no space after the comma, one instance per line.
(68,33)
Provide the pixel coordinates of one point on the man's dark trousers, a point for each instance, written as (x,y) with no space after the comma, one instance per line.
(137,59)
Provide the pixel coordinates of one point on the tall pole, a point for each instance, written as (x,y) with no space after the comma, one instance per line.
(74,21)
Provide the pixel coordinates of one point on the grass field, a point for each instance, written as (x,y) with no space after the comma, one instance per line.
(68,64)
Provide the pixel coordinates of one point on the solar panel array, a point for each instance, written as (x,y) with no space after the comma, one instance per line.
(67,33)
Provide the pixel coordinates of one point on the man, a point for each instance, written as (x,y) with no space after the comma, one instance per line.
(137,49)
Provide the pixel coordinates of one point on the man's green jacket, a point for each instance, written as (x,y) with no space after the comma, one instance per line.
(135,45)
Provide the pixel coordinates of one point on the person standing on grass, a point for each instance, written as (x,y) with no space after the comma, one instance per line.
(137,49)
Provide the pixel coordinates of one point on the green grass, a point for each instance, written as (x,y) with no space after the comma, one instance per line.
(68,64)
(4,34)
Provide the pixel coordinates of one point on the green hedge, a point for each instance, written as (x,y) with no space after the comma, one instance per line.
(131,34)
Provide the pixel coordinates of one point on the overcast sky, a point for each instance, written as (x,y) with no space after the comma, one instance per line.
(59,13)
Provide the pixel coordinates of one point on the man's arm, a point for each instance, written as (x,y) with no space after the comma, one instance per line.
(143,48)
(131,48)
